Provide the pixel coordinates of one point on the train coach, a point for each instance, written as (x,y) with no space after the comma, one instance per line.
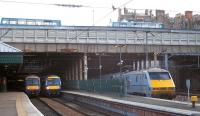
(154,82)
(51,85)
(138,24)
(32,85)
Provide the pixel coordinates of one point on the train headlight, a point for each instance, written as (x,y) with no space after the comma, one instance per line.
(27,88)
(47,87)
(58,87)
(37,87)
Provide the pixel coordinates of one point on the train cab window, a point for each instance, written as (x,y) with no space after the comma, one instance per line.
(159,75)
(32,82)
(53,81)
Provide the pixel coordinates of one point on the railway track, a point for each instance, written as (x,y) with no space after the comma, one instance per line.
(67,106)
(44,109)
(63,107)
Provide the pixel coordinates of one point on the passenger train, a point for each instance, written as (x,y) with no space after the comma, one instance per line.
(29,22)
(51,85)
(32,85)
(154,82)
(138,24)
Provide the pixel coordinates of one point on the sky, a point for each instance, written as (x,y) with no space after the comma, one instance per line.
(95,12)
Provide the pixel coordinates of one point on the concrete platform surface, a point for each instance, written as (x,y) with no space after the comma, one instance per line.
(17,104)
(147,102)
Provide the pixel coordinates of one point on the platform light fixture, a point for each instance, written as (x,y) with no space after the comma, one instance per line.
(120,63)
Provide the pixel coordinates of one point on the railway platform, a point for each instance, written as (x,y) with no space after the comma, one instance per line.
(135,105)
(17,104)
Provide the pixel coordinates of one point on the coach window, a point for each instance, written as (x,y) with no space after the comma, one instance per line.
(137,78)
(12,22)
(142,77)
(21,22)
(145,76)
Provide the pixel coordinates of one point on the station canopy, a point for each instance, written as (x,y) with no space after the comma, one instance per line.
(10,55)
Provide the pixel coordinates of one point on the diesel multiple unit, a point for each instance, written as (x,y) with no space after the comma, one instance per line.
(51,85)
(48,85)
(32,85)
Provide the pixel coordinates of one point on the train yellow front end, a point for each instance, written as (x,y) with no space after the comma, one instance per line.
(163,88)
(162,85)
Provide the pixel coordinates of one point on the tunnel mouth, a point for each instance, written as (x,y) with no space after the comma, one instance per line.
(13,75)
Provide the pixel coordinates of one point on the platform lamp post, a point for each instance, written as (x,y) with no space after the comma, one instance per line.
(100,66)
(120,63)
(146,50)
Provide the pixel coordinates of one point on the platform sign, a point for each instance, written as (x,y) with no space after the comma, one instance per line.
(188,83)
(188,87)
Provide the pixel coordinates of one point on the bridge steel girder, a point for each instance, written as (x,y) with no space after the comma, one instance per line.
(98,39)
(96,48)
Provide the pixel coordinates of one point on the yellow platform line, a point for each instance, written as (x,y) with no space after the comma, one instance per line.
(19,106)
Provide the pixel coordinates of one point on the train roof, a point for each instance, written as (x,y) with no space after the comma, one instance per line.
(32,76)
(113,75)
(156,70)
(28,22)
(52,76)
(148,70)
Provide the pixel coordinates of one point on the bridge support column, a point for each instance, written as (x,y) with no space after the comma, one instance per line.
(166,61)
(66,74)
(146,64)
(138,65)
(70,73)
(134,66)
(74,65)
(77,69)
(142,64)
(85,66)
(80,69)
(151,65)
(155,60)
(73,70)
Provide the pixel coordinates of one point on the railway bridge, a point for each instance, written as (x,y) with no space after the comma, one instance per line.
(100,39)
(82,52)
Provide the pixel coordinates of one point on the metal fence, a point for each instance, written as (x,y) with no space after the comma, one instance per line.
(112,86)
